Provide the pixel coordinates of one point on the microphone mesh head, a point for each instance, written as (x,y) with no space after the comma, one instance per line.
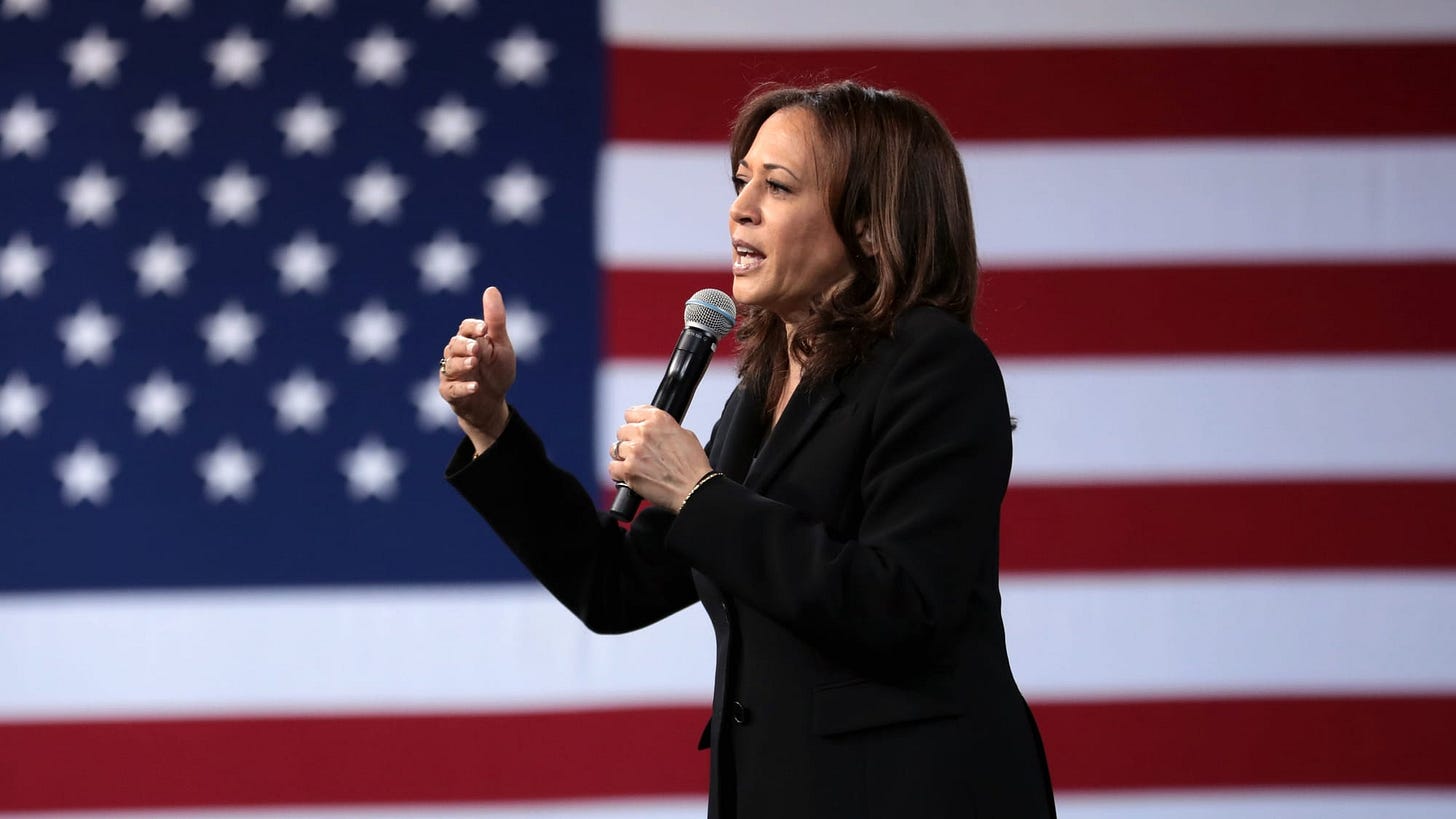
(711,311)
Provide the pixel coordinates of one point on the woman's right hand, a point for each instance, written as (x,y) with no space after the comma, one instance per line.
(479,368)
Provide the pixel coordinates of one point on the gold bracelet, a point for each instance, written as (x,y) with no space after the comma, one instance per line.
(699,485)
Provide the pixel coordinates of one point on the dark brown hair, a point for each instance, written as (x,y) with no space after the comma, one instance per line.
(892,170)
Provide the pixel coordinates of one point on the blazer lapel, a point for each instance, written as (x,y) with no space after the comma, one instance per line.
(805,409)
(743,422)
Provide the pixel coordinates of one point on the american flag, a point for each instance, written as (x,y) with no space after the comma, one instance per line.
(1220,248)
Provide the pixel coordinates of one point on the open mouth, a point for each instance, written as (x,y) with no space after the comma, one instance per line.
(746,257)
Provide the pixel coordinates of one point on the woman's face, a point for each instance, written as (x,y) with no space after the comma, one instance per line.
(785,247)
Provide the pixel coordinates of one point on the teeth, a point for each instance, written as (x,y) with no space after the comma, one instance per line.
(747,259)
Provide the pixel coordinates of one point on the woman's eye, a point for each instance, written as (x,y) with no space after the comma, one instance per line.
(778,187)
(738,183)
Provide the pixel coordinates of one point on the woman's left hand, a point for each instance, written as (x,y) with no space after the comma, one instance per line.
(655,456)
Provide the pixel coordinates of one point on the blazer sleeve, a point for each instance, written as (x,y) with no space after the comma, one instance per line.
(613,579)
(925,552)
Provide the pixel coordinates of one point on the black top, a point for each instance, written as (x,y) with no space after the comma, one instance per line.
(850,573)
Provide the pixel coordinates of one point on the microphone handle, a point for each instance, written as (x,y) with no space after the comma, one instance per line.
(684,371)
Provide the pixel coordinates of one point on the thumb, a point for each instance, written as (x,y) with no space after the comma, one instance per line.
(493,310)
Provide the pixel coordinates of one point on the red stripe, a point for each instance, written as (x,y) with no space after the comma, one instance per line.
(1241,526)
(649,751)
(343,760)
(1068,93)
(1245,526)
(1286,308)
(1202,309)
(1250,743)
(643,310)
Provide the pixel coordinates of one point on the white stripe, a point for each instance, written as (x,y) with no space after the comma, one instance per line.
(1079,203)
(1265,803)
(492,648)
(1176,418)
(1197,418)
(1189,635)
(768,23)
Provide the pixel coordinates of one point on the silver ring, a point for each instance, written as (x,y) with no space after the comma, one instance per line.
(616,451)
(442,366)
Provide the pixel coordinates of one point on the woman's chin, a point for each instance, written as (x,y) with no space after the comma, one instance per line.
(743,291)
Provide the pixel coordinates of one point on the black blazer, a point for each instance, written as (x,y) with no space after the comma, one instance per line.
(850,573)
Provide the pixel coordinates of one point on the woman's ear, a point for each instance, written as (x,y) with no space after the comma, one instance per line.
(865,238)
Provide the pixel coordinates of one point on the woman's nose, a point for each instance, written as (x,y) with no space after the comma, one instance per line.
(742,210)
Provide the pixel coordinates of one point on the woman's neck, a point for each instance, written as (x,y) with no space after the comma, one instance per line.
(791,378)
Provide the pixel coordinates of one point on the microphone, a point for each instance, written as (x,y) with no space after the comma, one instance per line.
(708,316)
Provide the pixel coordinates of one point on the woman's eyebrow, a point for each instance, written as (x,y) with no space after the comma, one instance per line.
(770,166)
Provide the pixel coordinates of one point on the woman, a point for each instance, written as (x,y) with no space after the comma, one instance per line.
(841,526)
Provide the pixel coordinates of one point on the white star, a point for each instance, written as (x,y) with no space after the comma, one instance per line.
(373,332)
(88,335)
(91,197)
(445,8)
(303,264)
(161,266)
(308,127)
(522,57)
(375,194)
(24,128)
(372,469)
(431,411)
(94,57)
(445,263)
(228,471)
(85,474)
(34,9)
(234,195)
(166,128)
(21,403)
(237,59)
(450,126)
(307,8)
(301,402)
(526,328)
(22,265)
(158,403)
(167,8)
(515,196)
(231,334)
(380,57)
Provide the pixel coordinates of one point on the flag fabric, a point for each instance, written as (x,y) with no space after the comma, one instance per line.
(1220,275)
